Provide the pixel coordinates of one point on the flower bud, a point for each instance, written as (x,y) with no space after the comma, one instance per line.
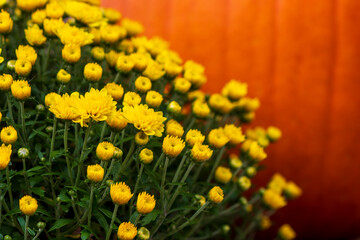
(72,193)
(235,162)
(174,107)
(7,237)
(11,65)
(40,107)
(225,229)
(143,233)
(42,159)
(109,182)
(23,152)
(49,129)
(273,133)
(200,199)
(244,183)
(41,225)
(58,199)
(118,153)
(251,172)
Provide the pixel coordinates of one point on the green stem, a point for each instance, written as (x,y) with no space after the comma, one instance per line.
(9,187)
(117,77)
(8,100)
(193,119)
(66,128)
(26,177)
(136,187)
(164,172)
(137,219)
(26,226)
(108,234)
(22,116)
(1,207)
(178,170)
(86,138)
(217,161)
(90,204)
(102,131)
(46,62)
(129,154)
(52,143)
(159,161)
(108,172)
(74,208)
(38,234)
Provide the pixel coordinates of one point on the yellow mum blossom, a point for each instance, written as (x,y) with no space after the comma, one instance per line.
(125,45)
(30,5)
(63,76)
(146,156)
(5,82)
(51,25)
(194,136)
(145,203)
(223,174)
(34,35)
(244,183)
(218,138)
(256,152)
(234,90)
(95,173)
(8,135)
(26,52)
(112,15)
(6,23)
(292,190)
(131,99)
(286,232)
(200,199)
(201,153)
(127,231)
(117,121)
(141,138)
(277,183)
(174,128)
(28,205)
(234,134)
(23,67)
(96,33)
(145,119)
(20,89)
(174,107)
(71,53)
(139,42)
(38,16)
(168,55)
(115,90)
(143,84)
(5,153)
(273,133)
(154,71)
(98,53)
(197,79)
(61,107)
(120,193)
(105,151)
(132,27)
(235,161)
(191,65)
(112,33)
(153,99)
(172,146)
(200,109)
(248,104)
(93,72)
(220,104)
(1,58)
(73,35)
(181,85)
(112,57)
(273,200)
(54,10)
(156,45)
(124,63)
(172,69)
(140,61)
(251,171)
(96,105)
(216,194)
(265,223)
(83,12)
(196,95)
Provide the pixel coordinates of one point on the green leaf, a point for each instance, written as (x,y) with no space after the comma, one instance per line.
(21,221)
(34,169)
(61,223)
(57,153)
(13,212)
(101,219)
(150,217)
(38,191)
(133,216)
(44,135)
(32,233)
(85,234)
(106,212)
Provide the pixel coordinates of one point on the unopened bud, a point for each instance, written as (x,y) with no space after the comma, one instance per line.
(41,225)
(118,153)
(40,107)
(23,152)
(143,233)
(109,182)
(7,237)
(225,229)
(11,65)
(49,129)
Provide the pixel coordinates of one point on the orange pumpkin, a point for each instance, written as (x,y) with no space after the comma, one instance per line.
(302,59)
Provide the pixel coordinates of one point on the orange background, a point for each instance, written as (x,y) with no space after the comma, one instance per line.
(302,59)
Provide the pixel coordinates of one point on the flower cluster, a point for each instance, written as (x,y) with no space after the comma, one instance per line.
(114,135)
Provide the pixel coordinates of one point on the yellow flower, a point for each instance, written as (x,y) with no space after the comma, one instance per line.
(200,109)
(140,61)
(96,105)
(34,35)
(196,95)
(278,183)
(181,85)
(201,152)
(1,58)
(132,27)
(112,33)
(120,193)
(172,146)
(0,116)
(6,23)
(96,33)
(234,90)
(145,203)
(145,119)
(234,134)
(200,199)
(71,53)
(95,173)
(30,5)
(146,156)
(74,35)
(174,128)
(265,222)
(168,55)
(142,84)
(156,45)
(141,138)
(235,161)
(5,153)
(196,78)
(153,99)
(105,151)
(273,200)
(20,89)
(83,12)
(194,136)
(23,67)
(126,46)
(63,76)
(143,233)
(112,57)
(256,152)
(115,90)
(174,107)
(216,194)
(220,104)
(61,107)
(127,231)
(244,183)
(217,138)
(26,52)
(28,205)
(273,133)
(223,174)
(51,25)
(154,71)
(172,69)
(112,15)
(286,232)
(52,98)
(124,64)
(5,82)
(54,10)
(38,16)
(117,121)
(93,72)
(292,190)
(131,99)
(98,53)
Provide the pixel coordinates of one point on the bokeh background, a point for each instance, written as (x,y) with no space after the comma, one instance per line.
(302,59)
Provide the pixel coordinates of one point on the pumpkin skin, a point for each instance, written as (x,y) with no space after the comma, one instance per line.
(302,59)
